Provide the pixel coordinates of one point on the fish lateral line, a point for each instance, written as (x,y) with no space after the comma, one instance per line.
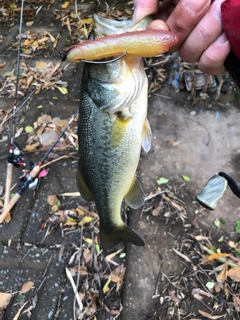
(143,43)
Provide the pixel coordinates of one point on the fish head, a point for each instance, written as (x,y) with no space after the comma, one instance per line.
(103,27)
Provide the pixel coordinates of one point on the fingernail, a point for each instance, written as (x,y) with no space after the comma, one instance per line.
(195,6)
(222,39)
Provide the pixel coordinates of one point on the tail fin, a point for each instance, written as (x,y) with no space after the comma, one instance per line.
(110,238)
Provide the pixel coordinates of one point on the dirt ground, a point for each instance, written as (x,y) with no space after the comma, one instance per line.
(188,268)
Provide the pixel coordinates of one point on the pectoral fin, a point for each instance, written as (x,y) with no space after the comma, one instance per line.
(118,131)
(82,186)
(110,238)
(135,197)
(146,136)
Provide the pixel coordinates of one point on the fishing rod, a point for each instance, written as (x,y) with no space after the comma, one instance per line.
(30,177)
(14,154)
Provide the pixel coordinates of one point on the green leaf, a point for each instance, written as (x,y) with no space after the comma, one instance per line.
(210,285)
(221,239)
(39,107)
(9,73)
(55,98)
(28,129)
(186,178)
(237,228)
(62,89)
(162,180)
(217,223)
(97,248)
(58,203)
(222,221)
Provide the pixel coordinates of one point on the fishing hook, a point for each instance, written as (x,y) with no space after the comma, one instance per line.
(105,61)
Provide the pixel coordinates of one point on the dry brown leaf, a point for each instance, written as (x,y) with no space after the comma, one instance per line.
(234,274)
(32,147)
(173,296)
(41,64)
(87,254)
(26,287)
(42,40)
(117,275)
(236,301)
(222,276)
(4,299)
(44,119)
(29,23)
(209,316)
(200,238)
(156,212)
(52,199)
(112,255)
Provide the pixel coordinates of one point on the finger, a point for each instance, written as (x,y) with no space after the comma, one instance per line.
(144,8)
(158,25)
(212,60)
(204,34)
(185,17)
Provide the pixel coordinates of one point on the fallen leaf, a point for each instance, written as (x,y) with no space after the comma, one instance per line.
(26,287)
(65,4)
(87,20)
(4,299)
(210,285)
(236,301)
(222,276)
(85,220)
(52,199)
(234,274)
(162,180)
(44,119)
(117,275)
(112,255)
(29,129)
(156,212)
(209,316)
(217,256)
(29,23)
(41,64)
(62,89)
(186,178)
(106,286)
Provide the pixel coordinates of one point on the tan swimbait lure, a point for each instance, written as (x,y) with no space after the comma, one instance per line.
(143,43)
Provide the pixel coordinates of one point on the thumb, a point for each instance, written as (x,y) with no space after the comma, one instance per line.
(144,8)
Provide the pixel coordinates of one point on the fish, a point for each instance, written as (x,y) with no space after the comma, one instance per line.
(112,128)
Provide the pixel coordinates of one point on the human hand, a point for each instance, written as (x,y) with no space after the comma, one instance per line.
(198,25)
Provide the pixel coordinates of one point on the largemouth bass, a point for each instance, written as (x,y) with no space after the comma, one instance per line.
(113,126)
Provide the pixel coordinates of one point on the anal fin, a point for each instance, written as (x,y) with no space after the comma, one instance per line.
(82,186)
(135,197)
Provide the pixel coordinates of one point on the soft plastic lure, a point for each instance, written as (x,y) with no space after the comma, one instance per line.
(146,43)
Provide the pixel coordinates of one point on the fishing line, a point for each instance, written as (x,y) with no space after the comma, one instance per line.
(14,154)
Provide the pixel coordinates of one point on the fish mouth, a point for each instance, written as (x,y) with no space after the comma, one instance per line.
(106,27)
